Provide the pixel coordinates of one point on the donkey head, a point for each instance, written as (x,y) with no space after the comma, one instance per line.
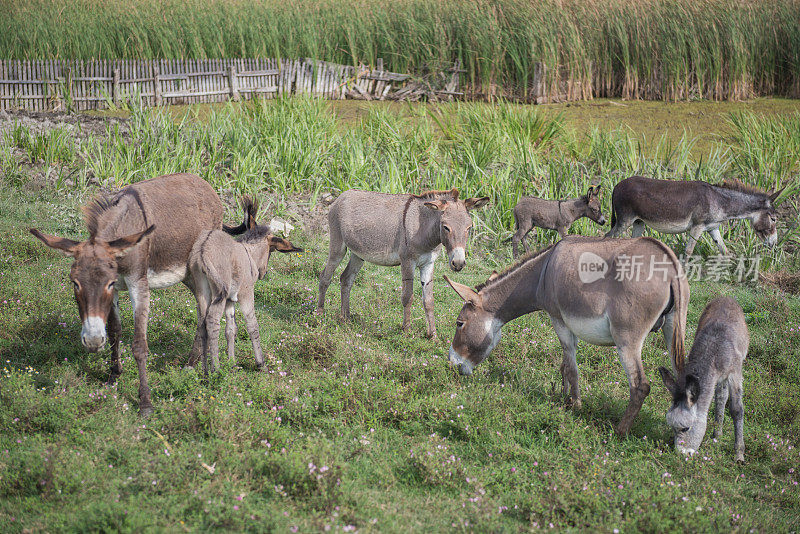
(93,275)
(454,225)
(262,236)
(477,330)
(764,220)
(592,210)
(687,424)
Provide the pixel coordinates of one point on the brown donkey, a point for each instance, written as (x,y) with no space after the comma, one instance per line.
(675,206)
(577,282)
(139,239)
(404,230)
(555,215)
(225,272)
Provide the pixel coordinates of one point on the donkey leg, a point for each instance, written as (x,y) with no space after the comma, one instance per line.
(230,330)
(569,365)
(139,291)
(638,228)
(621,224)
(630,355)
(347,279)
(717,237)
(199,287)
(426,279)
(737,414)
(247,304)
(335,255)
(213,318)
(523,227)
(720,400)
(694,236)
(407,274)
(114,330)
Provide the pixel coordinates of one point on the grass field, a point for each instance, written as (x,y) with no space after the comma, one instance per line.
(655,49)
(358,426)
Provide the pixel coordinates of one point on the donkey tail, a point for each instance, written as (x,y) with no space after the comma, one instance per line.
(250,207)
(679,323)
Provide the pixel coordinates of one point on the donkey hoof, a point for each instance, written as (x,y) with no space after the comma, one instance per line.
(146,411)
(319,311)
(575,404)
(112,380)
(739,457)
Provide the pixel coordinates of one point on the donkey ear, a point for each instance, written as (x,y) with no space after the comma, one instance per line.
(692,389)
(282,245)
(476,202)
(776,194)
(465,292)
(120,247)
(62,244)
(667,378)
(436,204)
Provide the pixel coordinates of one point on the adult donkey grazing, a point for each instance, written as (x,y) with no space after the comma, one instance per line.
(674,207)
(713,368)
(397,229)
(139,239)
(577,282)
(555,215)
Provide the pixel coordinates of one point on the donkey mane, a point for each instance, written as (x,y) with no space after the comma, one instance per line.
(741,187)
(92,212)
(452,194)
(519,263)
(255,234)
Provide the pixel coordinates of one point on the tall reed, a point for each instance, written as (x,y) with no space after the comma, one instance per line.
(657,49)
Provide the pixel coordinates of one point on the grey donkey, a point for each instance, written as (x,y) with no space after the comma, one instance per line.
(555,215)
(714,367)
(225,271)
(397,229)
(676,206)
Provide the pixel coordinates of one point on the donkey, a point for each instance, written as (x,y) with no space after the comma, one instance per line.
(555,215)
(714,366)
(674,207)
(574,282)
(139,239)
(397,229)
(225,272)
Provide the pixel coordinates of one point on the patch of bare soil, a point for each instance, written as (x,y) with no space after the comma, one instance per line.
(79,126)
(786,281)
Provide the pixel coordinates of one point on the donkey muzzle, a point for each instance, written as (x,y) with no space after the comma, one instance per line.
(464,366)
(93,333)
(458,259)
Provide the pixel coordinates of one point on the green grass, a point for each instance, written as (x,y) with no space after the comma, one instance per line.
(306,146)
(654,49)
(360,425)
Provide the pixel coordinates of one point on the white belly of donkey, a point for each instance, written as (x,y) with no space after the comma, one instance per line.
(594,330)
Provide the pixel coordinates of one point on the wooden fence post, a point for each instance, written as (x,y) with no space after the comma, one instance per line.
(68,104)
(115,96)
(539,72)
(156,86)
(233,83)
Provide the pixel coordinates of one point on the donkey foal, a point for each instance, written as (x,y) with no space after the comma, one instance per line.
(714,365)
(225,271)
(555,215)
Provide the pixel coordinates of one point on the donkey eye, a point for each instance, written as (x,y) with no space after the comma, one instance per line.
(446,228)
(459,324)
(76,285)
(111,285)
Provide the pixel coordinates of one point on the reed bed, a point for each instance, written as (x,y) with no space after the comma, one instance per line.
(653,49)
(300,147)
